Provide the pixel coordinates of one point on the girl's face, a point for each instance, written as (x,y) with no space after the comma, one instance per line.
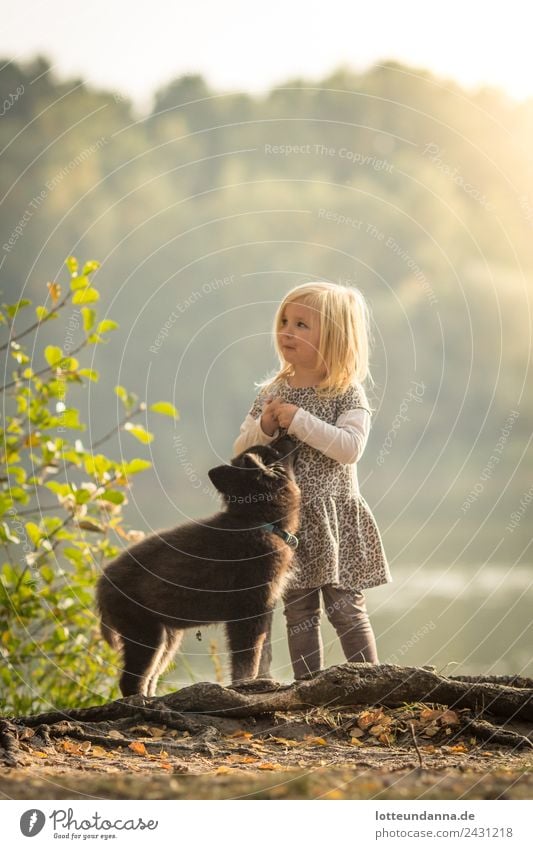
(299,334)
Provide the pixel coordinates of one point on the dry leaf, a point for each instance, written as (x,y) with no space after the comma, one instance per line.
(368,718)
(270,766)
(138,748)
(357,732)
(428,714)
(242,759)
(241,733)
(70,747)
(449,717)
(355,742)
(99,752)
(284,742)
(458,749)
(115,735)
(55,291)
(315,741)
(222,770)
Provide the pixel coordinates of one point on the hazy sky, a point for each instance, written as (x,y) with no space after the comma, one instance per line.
(134,47)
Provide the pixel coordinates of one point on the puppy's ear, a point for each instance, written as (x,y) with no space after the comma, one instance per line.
(225,479)
(255,463)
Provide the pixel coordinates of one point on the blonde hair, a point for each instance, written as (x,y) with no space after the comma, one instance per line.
(344,335)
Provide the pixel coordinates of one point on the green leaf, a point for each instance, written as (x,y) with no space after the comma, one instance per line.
(127,398)
(12,309)
(86,296)
(90,373)
(79,282)
(135,466)
(89,317)
(97,464)
(61,489)
(47,574)
(165,409)
(74,555)
(7,535)
(19,494)
(82,496)
(72,264)
(41,313)
(20,356)
(106,325)
(90,266)
(90,525)
(139,432)
(69,363)
(53,355)
(33,532)
(113,496)
(69,418)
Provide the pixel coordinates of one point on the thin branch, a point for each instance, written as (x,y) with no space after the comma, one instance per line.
(47,368)
(37,323)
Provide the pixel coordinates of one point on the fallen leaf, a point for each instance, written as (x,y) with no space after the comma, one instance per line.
(368,718)
(241,733)
(243,759)
(222,770)
(284,742)
(355,742)
(99,752)
(115,735)
(449,717)
(315,741)
(69,747)
(387,738)
(270,766)
(138,748)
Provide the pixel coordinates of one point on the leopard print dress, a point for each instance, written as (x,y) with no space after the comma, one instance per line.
(339,540)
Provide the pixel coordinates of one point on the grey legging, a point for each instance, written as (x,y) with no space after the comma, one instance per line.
(345,609)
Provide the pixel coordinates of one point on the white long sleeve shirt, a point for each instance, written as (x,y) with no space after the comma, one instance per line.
(344,441)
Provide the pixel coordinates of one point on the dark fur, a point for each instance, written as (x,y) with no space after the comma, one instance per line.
(221,569)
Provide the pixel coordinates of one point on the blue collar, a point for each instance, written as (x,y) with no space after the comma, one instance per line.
(290,539)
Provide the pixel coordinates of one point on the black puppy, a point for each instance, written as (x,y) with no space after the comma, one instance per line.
(231,568)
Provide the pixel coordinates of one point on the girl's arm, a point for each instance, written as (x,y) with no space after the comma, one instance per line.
(251,433)
(344,441)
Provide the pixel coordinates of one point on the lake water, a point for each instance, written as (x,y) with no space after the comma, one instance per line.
(463,620)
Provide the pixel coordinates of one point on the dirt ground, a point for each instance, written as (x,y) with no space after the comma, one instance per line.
(414,752)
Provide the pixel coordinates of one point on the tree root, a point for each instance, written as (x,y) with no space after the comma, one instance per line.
(338,687)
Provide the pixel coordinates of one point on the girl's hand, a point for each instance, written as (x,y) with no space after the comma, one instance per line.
(285,413)
(269,420)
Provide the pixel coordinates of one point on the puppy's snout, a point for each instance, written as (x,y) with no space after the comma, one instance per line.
(286,447)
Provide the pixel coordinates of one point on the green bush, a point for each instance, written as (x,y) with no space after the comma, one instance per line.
(61,505)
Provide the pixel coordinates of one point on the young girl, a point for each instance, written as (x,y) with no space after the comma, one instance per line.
(317,398)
